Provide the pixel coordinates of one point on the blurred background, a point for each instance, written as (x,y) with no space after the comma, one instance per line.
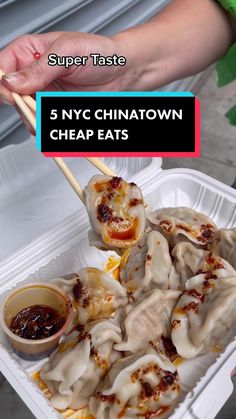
(106,17)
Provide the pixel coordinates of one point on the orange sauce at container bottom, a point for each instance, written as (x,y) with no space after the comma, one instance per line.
(155,414)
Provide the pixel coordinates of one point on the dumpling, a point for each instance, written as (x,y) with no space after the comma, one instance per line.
(166,347)
(148,319)
(175,223)
(149,266)
(75,368)
(116,211)
(95,294)
(190,261)
(203,315)
(224,245)
(142,385)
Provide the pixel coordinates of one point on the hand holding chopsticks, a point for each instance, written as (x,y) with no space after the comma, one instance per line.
(28,107)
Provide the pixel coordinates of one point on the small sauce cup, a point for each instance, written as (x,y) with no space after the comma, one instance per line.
(27,296)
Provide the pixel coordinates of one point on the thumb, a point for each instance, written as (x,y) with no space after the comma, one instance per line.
(34,77)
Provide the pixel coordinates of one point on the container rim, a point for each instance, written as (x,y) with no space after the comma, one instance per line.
(63,329)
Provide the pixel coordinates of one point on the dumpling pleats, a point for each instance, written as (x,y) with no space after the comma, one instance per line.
(137,386)
(182,223)
(95,295)
(149,266)
(76,367)
(190,261)
(203,315)
(148,319)
(224,245)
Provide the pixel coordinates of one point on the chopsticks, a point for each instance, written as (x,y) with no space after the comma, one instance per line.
(27,104)
(101,166)
(71,178)
(21,102)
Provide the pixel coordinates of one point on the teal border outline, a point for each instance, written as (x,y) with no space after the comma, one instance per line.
(39,95)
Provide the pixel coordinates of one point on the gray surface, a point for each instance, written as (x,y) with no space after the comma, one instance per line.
(229,409)
(12,407)
(218,138)
(219,161)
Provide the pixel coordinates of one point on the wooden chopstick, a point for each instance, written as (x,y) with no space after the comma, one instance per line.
(26,104)
(25,101)
(25,110)
(101,166)
(20,101)
(30,102)
(71,178)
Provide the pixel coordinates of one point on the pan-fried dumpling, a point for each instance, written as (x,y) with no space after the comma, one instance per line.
(142,385)
(190,261)
(149,266)
(116,211)
(95,294)
(204,314)
(75,368)
(224,245)
(175,223)
(148,319)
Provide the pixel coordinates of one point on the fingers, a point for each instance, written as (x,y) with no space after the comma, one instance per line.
(34,77)
(19,54)
(5,94)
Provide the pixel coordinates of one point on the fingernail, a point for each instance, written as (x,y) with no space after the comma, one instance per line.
(13,78)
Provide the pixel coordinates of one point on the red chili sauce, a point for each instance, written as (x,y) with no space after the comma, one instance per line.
(37,322)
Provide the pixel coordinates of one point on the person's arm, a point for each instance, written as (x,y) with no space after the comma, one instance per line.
(185,38)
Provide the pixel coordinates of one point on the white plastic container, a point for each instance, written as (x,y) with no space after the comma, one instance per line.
(34,195)
(65,249)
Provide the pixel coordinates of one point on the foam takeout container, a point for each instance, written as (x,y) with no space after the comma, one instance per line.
(64,248)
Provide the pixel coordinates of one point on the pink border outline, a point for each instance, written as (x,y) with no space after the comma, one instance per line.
(195,153)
